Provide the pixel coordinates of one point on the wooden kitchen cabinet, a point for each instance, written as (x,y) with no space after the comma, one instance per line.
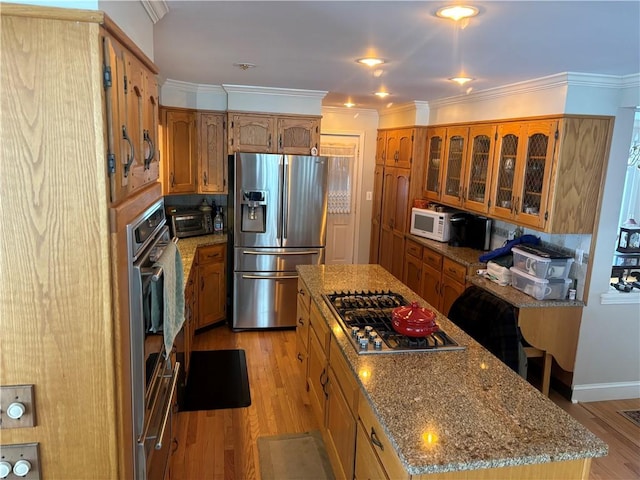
(317,371)
(266,133)
(302,331)
(393,193)
(194,151)
(212,161)
(180,150)
(542,173)
(212,294)
(190,315)
(478,168)
(394,219)
(376,214)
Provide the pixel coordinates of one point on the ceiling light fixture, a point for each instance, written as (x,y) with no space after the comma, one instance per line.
(382,94)
(461,80)
(457,12)
(349,104)
(371,61)
(244,65)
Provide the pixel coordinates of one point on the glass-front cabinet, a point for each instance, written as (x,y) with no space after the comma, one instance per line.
(435,146)
(521,179)
(455,154)
(478,168)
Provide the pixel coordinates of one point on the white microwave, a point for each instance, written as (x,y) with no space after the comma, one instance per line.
(430,224)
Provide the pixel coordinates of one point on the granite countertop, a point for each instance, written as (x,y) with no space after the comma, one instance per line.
(480,413)
(469,257)
(188,246)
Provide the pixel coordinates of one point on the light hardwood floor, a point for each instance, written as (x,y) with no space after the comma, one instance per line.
(221,444)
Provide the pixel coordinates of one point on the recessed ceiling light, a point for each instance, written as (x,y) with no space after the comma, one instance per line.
(244,65)
(461,80)
(349,104)
(456,12)
(371,61)
(382,94)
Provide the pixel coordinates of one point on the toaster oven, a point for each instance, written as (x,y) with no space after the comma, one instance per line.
(189,223)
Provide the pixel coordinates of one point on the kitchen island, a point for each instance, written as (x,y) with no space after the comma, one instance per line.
(445,414)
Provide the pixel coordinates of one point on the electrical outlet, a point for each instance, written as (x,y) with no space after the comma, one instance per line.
(579,255)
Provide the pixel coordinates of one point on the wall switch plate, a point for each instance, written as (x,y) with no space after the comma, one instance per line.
(12,454)
(369,196)
(17,395)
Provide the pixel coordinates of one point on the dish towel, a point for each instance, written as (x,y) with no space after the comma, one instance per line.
(173,292)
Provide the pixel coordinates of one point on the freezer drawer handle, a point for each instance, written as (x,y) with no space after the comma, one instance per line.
(252,252)
(259,277)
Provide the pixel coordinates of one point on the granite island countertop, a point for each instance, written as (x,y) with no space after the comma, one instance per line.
(481,413)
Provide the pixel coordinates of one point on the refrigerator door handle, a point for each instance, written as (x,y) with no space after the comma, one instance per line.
(253,252)
(285,199)
(274,277)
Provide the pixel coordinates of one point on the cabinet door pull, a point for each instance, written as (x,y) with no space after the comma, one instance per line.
(300,321)
(375,440)
(280,141)
(300,357)
(131,158)
(269,143)
(172,180)
(301,292)
(152,151)
(204,178)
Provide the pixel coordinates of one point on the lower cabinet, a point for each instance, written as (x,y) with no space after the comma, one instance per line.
(212,290)
(437,279)
(332,390)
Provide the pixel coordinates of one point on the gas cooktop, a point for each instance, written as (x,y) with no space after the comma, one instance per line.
(366,318)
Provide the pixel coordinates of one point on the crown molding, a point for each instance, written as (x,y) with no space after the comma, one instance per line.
(286,92)
(189,87)
(156,9)
(411,106)
(350,110)
(559,80)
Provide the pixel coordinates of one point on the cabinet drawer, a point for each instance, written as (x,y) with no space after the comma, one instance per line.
(320,327)
(377,439)
(414,249)
(211,254)
(367,465)
(345,377)
(454,270)
(304,297)
(432,258)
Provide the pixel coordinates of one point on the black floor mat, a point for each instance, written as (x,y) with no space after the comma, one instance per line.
(217,379)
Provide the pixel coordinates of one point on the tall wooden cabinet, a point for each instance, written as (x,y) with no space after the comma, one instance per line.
(194,151)
(398,161)
(64,323)
(267,133)
(211,284)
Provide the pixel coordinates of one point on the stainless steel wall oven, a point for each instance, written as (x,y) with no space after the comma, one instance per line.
(154,374)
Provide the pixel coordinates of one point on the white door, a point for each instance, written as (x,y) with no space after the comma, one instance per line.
(344,151)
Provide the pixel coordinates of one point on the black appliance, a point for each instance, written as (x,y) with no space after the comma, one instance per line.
(468,230)
(366,318)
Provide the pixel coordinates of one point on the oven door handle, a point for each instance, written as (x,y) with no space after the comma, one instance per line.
(154,392)
(167,407)
(154,272)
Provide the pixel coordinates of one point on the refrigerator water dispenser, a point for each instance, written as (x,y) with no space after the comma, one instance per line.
(253,210)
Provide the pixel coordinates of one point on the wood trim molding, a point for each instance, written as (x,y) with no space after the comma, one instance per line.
(52,13)
(156,9)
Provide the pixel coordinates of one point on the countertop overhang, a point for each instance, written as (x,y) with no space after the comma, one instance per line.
(450,411)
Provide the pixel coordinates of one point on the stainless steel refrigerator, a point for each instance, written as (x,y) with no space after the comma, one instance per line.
(280,219)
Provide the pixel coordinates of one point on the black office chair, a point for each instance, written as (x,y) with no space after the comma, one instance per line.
(493,323)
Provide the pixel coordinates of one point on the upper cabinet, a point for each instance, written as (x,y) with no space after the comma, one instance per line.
(212,162)
(398,148)
(543,173)
(180,151)
(265,133)
(194,151)
(131,95)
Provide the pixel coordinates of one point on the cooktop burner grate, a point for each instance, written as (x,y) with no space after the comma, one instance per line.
(366,317)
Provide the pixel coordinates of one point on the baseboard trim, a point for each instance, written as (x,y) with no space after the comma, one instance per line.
(597,392)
